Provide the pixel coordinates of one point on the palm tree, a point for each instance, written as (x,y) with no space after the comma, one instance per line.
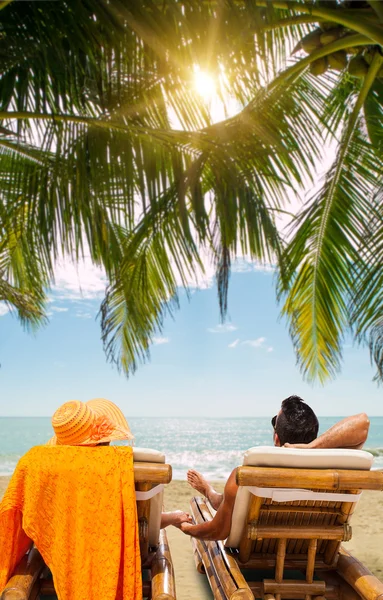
(332,275)
(104,144)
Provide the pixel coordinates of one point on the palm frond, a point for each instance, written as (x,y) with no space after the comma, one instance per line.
(164,253)
(320,258)
(23,272)
(363,21)
(136,58)
(376,348)
(105,144)
(157,258)
(373,112)
(29,305)
(366,302)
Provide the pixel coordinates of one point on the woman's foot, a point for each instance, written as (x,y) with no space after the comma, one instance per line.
(198,482)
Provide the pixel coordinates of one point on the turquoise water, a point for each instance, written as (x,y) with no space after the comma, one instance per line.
(213,446)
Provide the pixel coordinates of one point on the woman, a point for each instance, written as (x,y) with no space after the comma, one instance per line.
(97,423)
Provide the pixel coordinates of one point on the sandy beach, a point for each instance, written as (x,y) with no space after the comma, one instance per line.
(367,542)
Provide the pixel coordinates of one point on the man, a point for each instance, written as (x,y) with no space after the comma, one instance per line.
(295,426)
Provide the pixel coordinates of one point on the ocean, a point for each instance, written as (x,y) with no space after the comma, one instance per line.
(212,446)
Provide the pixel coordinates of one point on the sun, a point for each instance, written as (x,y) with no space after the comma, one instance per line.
(204,85)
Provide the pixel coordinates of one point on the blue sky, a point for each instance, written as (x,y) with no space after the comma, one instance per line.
(196,367)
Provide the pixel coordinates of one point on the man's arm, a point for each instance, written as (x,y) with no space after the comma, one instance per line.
(351,432)
(219,527)
(174,517)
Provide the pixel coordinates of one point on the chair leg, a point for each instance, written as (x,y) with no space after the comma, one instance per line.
(163,582)
(197,556)
(225,577)
(280,563)
(358,576)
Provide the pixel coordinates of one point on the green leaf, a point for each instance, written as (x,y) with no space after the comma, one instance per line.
(373,112)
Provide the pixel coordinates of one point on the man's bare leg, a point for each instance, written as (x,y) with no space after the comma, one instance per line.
(199,483)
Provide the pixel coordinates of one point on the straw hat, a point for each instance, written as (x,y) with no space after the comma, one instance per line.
(90,423)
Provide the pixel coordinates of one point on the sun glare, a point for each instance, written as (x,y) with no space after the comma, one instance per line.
(204,85)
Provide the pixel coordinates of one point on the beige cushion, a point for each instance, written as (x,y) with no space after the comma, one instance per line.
(337,458)
(149,455)
(270,456)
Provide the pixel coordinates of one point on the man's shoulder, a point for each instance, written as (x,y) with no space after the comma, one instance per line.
(231,486)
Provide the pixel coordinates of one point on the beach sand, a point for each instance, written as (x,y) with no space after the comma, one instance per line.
(367,542)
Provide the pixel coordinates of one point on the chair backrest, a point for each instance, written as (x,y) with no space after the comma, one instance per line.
(278,508)
(154,509)
(110,480)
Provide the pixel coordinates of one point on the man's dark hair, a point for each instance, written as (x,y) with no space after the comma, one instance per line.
(297,423)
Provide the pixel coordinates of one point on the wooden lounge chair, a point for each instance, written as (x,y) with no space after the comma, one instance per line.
(291,515)
(31,579)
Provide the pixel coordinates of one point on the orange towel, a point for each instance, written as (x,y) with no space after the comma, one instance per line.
(78,506)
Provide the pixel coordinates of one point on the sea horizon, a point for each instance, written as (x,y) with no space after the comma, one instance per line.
(188,417)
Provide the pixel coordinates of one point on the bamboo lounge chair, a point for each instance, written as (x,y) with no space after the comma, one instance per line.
(291,514)
(31,579)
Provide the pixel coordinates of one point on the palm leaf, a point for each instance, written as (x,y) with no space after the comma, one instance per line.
(376,348)
(146,287)
(320,258)
(366,303)
(92,93)
(29,305)
(91,181)
(373,111)
(163,254)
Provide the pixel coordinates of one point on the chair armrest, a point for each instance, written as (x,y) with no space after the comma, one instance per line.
(321,479)
(152,473)
(24,576)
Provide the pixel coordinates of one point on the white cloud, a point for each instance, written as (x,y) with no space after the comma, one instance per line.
(225,328)
(258,343)
(246,265)
(85,281)
(83,315)
(160,340)
(82,281)
(255,343)
(59,309)
(3,309)
(234,344)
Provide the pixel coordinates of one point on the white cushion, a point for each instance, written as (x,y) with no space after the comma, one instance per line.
(337,458)
(153,456)
(147,455)
(271,456)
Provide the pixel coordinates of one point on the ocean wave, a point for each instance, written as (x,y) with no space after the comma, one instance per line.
(8,464)
(375,451)
(215,465)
